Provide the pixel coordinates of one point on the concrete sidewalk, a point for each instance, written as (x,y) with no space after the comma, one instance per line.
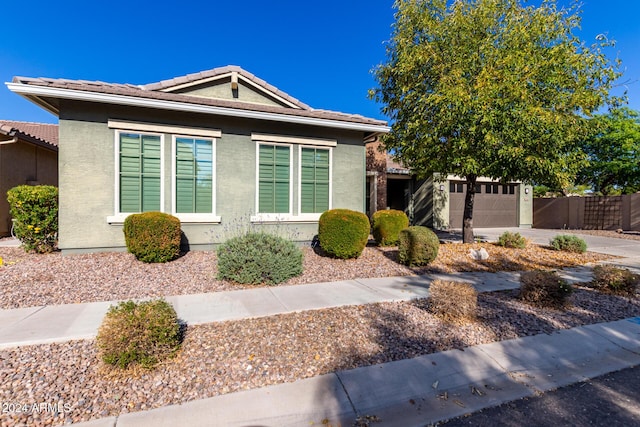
(415,392)
(59,323)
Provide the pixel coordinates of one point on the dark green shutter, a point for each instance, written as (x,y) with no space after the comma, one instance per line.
(194,175)
(139,172)
(273,178)
(314,180)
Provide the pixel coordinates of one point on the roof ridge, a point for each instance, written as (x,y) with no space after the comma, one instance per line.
(27,122)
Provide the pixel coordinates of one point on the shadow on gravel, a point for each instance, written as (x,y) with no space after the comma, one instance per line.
(406,334)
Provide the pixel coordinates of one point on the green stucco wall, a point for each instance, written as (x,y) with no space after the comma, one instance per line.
(87,175)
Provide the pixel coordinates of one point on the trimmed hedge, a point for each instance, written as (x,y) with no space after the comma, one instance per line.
(343,233)
(259,258)
(35,211)
(153,236)
(143,333)
(417,246)
(387,225)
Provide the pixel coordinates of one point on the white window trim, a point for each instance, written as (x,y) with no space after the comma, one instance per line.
(119,217)
(194,217)
(267,216)
(158,128)
(314,215)
(287,139)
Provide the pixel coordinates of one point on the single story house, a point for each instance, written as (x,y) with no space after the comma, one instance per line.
(28,155)
(439,204)
(222,150)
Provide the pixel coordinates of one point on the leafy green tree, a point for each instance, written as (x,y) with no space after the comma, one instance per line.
(613,153)
(491,88)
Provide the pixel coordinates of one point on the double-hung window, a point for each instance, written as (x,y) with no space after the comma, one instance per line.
(143,171)
(193,174)
(274,179)
(140,172)
(293,177)
(314,180)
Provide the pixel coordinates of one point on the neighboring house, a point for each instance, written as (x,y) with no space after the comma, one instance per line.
(28,155)
(221,150)
(440,204)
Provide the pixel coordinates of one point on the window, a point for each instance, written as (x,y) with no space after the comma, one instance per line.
(491,188)
(314,180)
(193,175)
(143,171)
(274,178)
(508,189)
(456,187)
(140,172)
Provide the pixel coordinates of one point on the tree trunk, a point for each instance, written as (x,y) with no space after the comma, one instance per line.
(467,217)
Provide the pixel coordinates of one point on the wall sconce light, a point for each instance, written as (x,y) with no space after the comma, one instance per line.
(441,187)
(526,191)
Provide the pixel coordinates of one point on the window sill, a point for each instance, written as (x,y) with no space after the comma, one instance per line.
(184,219)
(282,218)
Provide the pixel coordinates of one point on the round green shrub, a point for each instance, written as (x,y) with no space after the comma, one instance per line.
(512,240)
(568,243)
(544,289)
(257,258)
(153,236)
(343,233)
(417,246)
(143,334)
(35,211)
(387,225)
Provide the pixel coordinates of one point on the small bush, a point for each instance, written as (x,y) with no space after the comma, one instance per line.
(615,280)
(142,334)
(568,243)
(512,240)
(387,225)
(544,289)
(453,302)
(417,246)
(259,258)
(343,233)
(153,236)
(35,211)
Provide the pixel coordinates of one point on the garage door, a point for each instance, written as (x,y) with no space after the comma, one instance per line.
(495,205)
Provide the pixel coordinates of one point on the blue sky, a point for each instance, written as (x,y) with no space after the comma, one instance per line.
(319,52)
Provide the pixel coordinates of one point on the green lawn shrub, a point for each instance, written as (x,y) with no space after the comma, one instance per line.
(512,240)
(615,280)
(35,211)
(143,334)
(343,233)
(453,302)
(417,246)
(257,258)
(153,236)
(544,289)
(387,225)
(568,243)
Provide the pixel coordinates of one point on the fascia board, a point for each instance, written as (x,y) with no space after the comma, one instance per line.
(133,101)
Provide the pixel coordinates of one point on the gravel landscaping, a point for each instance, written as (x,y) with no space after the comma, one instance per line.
(231,356)
(29,280)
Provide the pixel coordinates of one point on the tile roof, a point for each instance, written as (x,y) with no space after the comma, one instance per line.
(154,91)
(43,132)
(221,71)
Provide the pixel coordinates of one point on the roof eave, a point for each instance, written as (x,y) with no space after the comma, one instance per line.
(36,93)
